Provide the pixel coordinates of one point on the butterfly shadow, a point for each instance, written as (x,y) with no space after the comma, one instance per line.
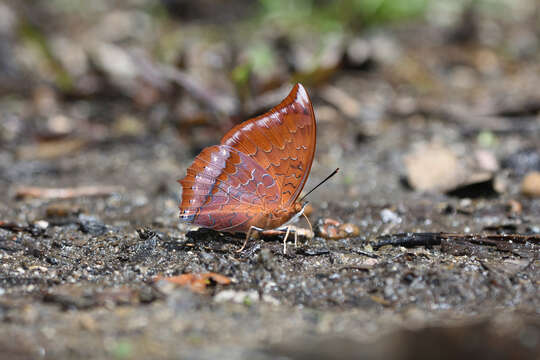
(208,239)
(204,238)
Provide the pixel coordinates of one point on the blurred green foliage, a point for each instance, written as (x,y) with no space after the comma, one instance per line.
(34,38)
(320,21)
(122,350)
(486,139)
(325,16)
(259,58)
(313,26)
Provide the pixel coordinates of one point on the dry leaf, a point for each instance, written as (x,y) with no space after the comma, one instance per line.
(196,282)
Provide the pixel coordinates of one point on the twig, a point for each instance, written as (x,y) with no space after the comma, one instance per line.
(365,253)
(432,239)
(33,229)
(219,104)
(65,193)
(409,240)
(161,75)
(356,267)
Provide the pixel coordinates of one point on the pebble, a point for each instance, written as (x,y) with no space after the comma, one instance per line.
(334,229)
(42,224)
(91,225)
(530,185)
(243,297)
(388,216)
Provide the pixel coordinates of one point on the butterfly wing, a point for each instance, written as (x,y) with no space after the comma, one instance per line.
(225,190)
(282,141)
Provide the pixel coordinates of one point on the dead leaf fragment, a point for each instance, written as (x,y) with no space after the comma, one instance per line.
(380,300)
(196,282)
(50,149)
(433,167)
(333,229)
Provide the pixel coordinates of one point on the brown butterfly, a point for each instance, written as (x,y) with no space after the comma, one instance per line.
(252,180)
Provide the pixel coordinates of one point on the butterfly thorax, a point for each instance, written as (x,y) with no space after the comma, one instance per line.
(276,218)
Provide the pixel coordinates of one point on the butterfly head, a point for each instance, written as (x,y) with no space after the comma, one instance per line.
(299,208)
(293,213)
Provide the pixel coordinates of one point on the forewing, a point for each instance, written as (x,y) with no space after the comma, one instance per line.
(225,189)
(282,142)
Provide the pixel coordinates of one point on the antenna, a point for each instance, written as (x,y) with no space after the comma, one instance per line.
(322,182)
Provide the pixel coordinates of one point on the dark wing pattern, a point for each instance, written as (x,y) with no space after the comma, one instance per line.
(282,142)
(224,189)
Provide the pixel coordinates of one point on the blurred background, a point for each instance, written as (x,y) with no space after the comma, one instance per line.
(84,84)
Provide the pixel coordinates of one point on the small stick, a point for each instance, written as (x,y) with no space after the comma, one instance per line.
(65,193)
(432,239)
(409,239)
(365,253)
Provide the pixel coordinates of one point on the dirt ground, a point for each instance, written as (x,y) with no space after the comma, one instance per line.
(459,278)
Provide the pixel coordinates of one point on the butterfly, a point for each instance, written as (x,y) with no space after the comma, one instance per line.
(252,179)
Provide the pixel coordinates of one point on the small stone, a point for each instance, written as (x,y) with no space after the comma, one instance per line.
(350,229)
(433,167)
(60,124)
(115,61)
(328,228)
(523,161)
(88,323)
(514,207)
(358,52)
(52,260)
(530,185)
(389,216)
(91,225)
(42,224)
(239,297)
(486,160)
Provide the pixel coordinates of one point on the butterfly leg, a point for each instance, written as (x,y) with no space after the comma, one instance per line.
(248,235)
(309,223)
(296,239)
(247,238)
(285,240)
